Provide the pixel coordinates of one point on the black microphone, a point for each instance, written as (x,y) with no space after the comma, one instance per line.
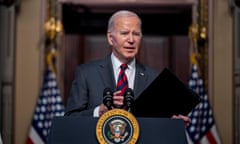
(108,98)
(128,98)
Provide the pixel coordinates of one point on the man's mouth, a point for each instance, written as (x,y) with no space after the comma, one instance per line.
(129,47)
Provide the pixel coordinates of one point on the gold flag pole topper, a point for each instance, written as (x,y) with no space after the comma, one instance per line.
(52,27)
(198,35)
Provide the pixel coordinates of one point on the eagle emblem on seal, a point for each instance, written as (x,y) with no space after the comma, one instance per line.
(117,131)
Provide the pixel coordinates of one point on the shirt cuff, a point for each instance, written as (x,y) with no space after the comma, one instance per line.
(96,111)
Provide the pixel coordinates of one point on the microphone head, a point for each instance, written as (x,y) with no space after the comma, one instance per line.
(108,97)
(128,97)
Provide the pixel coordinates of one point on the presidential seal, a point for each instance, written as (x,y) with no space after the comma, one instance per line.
(117,126)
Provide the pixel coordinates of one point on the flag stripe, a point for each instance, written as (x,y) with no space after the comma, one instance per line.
(34,137)
(215,134)
(29,141)
(204,140)
(211,138)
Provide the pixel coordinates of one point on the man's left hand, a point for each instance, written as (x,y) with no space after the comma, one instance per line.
(186,119)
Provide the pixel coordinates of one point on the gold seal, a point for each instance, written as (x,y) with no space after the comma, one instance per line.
(117,126)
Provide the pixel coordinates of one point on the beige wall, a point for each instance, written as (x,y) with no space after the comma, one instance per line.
(28,68)
(222,59)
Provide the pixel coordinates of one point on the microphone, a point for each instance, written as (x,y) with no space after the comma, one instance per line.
(108,98)
(128,98)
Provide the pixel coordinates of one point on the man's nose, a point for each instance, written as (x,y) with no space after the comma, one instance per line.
(130,38)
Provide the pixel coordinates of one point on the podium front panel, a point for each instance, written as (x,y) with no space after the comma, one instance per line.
(82,130)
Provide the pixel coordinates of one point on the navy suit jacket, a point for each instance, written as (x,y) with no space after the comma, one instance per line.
(91,80)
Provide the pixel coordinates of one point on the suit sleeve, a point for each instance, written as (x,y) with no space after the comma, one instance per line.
(78,100)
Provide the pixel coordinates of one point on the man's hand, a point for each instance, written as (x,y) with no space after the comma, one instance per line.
(118,100)
(186,119)
(102,109)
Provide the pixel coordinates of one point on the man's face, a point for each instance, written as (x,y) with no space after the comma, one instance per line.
(125,38)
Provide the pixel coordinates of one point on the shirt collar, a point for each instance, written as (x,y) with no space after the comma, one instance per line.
(116,62)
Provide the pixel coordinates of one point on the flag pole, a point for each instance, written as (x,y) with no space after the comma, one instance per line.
(198,36)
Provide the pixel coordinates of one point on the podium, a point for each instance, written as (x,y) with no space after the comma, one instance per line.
(82,130)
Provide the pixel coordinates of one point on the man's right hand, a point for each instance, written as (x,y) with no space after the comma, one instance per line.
(102,109)
(118,100)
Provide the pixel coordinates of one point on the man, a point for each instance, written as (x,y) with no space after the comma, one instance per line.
(124,36)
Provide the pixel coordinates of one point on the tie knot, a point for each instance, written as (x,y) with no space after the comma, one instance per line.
(123,67)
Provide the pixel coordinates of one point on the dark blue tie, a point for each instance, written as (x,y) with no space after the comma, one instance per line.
(122,83)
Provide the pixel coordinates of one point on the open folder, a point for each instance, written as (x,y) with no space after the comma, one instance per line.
(164,97)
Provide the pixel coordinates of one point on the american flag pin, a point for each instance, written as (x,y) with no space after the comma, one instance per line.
(142,74)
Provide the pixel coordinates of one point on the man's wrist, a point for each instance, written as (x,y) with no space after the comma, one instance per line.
(96,111)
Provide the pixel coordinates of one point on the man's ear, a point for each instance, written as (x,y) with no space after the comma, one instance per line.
(110,38)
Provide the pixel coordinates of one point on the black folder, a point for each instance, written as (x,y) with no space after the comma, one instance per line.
(164,97)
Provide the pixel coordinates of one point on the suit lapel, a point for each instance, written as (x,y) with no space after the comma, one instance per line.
(106,72)
(140,78)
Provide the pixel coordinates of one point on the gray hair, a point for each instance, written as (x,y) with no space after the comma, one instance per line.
(119,14)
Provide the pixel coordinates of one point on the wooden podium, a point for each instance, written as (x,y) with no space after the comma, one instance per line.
(82,130)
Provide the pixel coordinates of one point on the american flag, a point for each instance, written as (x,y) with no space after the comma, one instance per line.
(202,129)
(49,105)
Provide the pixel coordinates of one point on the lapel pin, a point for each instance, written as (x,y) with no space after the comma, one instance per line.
(142,74)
